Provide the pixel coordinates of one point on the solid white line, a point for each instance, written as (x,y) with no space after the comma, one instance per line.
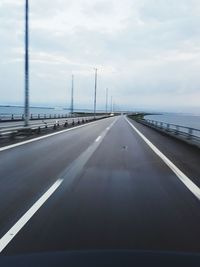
(184,179)
(6,239)
(43,137)
(98,139)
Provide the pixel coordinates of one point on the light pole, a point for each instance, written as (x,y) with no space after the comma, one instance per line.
(95,93)
(111,104)
(113,111)
(26,104)
(106,100)
(72,96)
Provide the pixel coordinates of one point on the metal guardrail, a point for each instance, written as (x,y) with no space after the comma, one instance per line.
(20,117)
(188,134)
(12,132)
(43,116)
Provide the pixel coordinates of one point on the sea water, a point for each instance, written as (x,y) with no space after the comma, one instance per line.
(186,120)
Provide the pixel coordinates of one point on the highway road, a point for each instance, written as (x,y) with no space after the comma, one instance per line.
(100,186)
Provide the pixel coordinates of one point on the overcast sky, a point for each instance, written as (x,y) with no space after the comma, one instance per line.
(147,52)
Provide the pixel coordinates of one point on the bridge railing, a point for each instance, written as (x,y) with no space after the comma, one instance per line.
(20,117)
(187,133)
(14,131)
(40,116)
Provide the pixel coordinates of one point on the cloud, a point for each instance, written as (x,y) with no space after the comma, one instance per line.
(147,51)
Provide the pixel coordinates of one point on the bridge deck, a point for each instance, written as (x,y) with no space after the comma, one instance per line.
(114,192)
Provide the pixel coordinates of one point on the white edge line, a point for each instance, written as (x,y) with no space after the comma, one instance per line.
(43,137)
(6,239)
(184,179)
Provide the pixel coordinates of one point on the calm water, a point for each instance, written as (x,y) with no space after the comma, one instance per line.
(4,110)
(9,110)
(192,121)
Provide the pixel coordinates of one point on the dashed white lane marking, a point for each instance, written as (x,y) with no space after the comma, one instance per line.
(6,239)
(77,165)
(98,139)
(183,178)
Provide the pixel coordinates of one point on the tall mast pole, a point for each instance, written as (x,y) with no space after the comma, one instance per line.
(72,96)
(95,94)
(111,104)
(106,100)
(26,104)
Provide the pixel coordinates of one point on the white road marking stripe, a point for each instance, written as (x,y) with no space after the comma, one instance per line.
(43,137)
(6,239)
(184,179)
(98,139)
(107,129)
(71,173)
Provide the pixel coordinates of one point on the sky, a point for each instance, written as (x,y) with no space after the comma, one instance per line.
(147,53)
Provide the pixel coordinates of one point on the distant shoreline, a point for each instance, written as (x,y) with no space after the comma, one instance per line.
(101,110)
(16,106)
(50,108)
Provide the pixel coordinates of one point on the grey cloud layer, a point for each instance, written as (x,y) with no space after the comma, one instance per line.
(148,51)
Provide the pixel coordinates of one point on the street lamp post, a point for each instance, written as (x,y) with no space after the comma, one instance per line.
(95,94)
(106,100)
(72,96)
(26,106)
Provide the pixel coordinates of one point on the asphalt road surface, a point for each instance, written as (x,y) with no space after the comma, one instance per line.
(100,186)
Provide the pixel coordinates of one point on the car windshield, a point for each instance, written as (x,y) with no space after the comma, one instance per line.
(99,126)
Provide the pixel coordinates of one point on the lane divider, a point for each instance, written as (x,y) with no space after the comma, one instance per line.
(6,239)
(98,139)
(67,178)
(182,177)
